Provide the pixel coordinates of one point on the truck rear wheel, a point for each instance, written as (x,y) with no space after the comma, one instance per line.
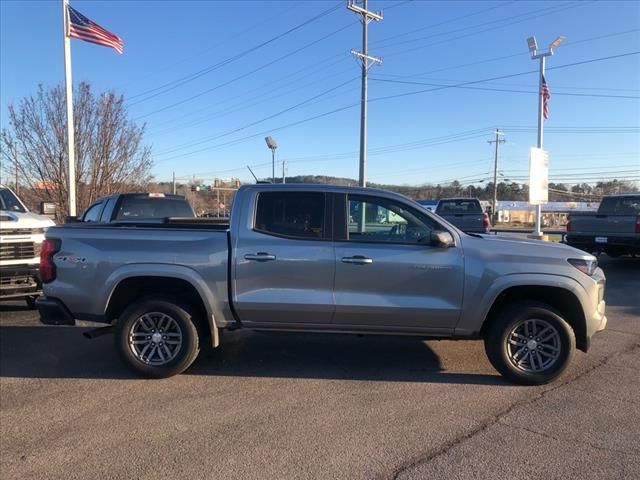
(529,343)
(157,338)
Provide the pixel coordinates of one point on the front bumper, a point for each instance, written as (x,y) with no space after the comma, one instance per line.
(597,321)
(19,281)
(54,312)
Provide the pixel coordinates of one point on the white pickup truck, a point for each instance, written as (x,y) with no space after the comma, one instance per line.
(21,235)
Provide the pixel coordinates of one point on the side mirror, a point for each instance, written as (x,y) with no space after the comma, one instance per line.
(442,239)
(71,219)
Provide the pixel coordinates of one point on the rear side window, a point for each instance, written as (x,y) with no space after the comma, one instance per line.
(93,213)
(148,208)
(459,206)
(621,205)
(291,214)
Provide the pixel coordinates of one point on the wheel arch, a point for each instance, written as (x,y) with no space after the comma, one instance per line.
(181,283)
(560,298)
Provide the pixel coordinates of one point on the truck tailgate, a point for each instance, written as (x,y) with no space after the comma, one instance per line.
(603,224)
(467,222)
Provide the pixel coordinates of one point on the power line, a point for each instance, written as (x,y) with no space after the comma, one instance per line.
(244,127)
(434,25)
(405,94)
(636,97)
(527,16)
(255,70)
(521,53)
(188,78)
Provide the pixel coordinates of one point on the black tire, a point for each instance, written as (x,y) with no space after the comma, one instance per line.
(507,328)
(31,302)
(184,325)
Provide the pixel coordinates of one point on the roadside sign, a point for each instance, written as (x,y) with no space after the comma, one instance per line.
(538,176)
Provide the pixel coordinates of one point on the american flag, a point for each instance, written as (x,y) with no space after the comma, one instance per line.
(546,95)
(81,27)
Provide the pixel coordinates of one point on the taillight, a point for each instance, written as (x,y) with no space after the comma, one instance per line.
(569,223)
(47,268)
(486,224)
(638,224)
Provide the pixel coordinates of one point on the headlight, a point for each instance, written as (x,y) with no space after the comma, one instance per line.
(585,266)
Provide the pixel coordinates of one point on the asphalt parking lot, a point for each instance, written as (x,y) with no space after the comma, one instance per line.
(319,406)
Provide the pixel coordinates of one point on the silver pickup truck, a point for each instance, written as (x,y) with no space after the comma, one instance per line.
(613,229)
(315,258)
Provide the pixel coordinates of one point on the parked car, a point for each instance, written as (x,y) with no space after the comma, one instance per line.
(464,213)
(294,259)
(21,235)
(613,229)
(135,207)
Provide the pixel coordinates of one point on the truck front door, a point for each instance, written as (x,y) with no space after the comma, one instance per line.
(284,261)
(388,275)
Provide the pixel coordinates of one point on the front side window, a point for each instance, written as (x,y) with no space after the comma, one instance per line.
(291,214)
(381,220)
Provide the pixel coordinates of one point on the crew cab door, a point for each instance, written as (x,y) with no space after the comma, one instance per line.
(283,260)
(388,275)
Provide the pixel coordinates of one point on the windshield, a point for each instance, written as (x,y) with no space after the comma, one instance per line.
(145,208)
(459,206)
(9,202)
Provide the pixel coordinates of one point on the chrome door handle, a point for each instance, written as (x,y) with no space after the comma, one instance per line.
(260,257)
(357,260)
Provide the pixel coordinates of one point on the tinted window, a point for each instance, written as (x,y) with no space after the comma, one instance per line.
(108,210)
(148,208)
(381,220)
(459,206)
(9,202)
(293,214)
(92,213)
(621,205)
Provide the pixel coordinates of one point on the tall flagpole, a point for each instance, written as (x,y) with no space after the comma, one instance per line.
(69,98)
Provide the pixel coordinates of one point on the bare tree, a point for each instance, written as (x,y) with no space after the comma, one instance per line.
(110,155)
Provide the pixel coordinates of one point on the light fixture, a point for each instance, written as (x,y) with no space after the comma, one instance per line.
(532,43)
(556,43)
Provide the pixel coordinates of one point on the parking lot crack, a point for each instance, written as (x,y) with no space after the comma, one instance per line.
(573,440)
(427,457)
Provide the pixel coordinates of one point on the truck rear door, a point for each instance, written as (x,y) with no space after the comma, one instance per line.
(388,275)
(283,260)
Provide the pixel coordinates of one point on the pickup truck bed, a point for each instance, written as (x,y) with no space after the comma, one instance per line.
(316,258)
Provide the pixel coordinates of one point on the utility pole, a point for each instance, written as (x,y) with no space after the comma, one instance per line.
(174,183)
(494,204)
(367,61)
(283,174)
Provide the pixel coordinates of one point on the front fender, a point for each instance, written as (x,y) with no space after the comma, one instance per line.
(476,306)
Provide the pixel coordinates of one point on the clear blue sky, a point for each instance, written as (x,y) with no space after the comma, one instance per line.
(435,43)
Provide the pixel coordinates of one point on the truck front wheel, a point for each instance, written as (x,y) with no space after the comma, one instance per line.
(157,338)
(529,343)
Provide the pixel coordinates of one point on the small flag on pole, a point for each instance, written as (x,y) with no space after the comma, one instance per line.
(81,27)
(546,95)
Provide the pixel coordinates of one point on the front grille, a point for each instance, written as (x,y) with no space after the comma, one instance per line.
(7,232)
(18,281)
(18,251)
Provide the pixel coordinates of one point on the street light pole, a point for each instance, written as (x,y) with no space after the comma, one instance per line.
(272,144)
(273,165)
(541,56)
